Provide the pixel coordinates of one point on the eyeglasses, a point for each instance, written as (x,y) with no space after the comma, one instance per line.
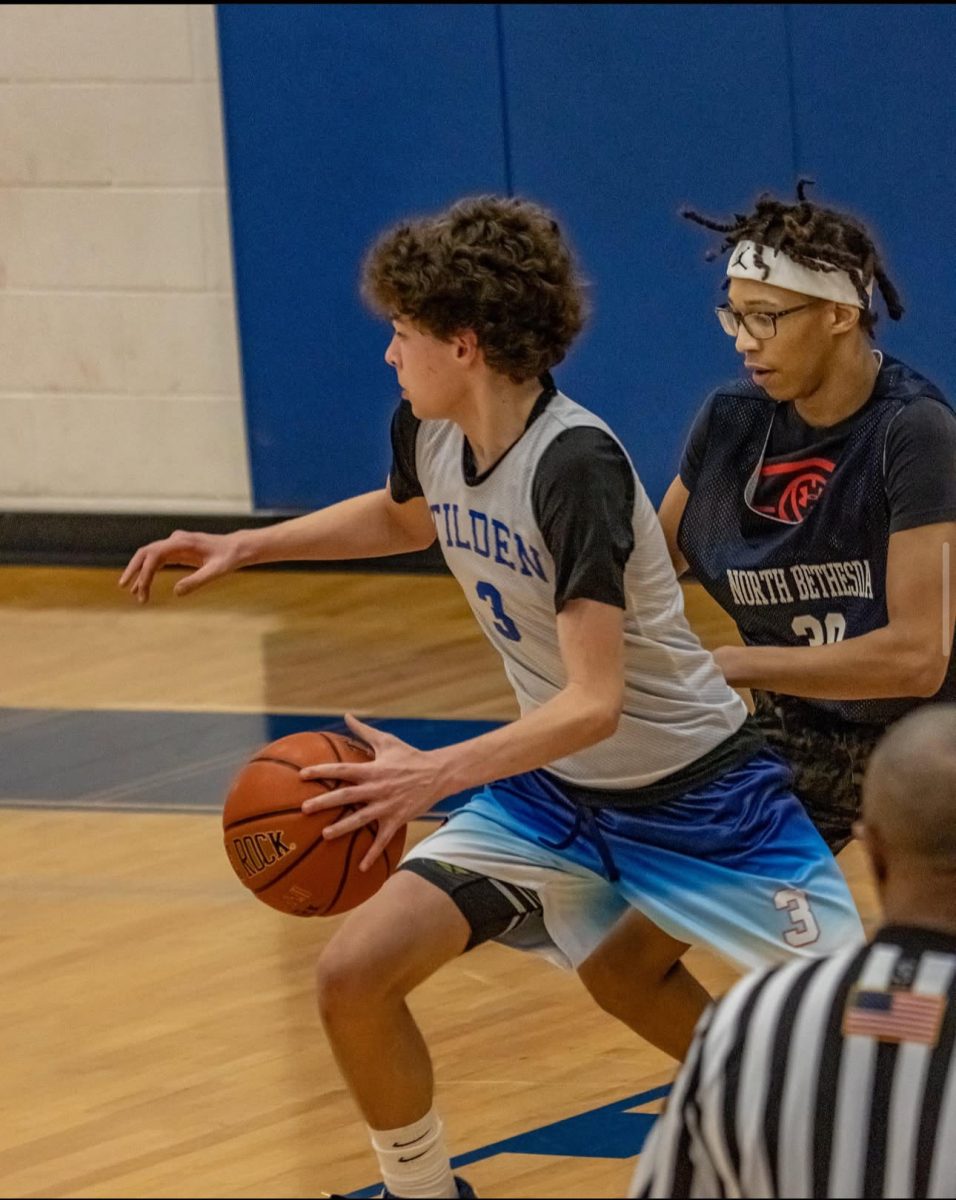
(760,325)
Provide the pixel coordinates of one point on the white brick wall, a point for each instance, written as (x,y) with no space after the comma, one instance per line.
(119,372)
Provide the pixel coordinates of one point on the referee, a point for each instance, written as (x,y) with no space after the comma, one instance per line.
(837,1077)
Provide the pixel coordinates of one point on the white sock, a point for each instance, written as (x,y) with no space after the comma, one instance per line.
(414,1161)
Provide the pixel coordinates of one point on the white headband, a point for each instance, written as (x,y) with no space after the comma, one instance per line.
(783,272)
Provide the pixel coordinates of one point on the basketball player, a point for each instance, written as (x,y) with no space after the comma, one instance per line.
(660,819)
(816,502)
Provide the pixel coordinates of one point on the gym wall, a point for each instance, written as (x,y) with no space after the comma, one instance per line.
(120,383)
(119,368)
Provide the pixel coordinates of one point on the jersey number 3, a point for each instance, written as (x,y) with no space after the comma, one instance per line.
(804,930)
(503,623)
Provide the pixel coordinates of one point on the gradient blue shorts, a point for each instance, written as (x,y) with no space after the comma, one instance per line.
(735,865)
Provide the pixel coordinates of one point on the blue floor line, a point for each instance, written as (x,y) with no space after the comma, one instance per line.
(610,1131)
(136,761)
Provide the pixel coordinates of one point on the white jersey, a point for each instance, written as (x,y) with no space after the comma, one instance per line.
(677,706)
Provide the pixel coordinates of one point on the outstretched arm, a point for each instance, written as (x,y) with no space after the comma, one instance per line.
(366,526)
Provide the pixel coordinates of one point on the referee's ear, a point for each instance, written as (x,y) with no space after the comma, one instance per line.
(873,849)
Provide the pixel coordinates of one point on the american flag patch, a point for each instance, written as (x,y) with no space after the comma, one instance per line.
(894,1016)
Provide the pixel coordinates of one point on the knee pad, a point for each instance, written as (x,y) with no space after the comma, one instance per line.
(490,906)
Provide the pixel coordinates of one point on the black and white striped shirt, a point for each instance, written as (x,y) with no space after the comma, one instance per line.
(833,1077)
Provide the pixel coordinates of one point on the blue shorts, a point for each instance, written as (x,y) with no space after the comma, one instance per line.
(735,865)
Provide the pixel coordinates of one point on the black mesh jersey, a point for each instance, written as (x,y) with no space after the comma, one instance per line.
(794,546)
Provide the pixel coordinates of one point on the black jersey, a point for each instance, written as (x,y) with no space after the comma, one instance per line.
(793,544)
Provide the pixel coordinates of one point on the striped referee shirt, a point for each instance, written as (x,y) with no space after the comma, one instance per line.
(833,1077)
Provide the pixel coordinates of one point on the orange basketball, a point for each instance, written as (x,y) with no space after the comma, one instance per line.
(278,852)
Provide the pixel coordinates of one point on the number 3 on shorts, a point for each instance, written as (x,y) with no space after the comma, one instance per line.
(804,929)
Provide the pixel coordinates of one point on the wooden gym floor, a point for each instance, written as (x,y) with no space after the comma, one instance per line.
(160,1030)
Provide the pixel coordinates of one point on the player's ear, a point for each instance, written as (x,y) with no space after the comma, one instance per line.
(845,318)
(465,342)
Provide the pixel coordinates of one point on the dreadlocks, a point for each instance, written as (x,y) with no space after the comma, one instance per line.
(807,233)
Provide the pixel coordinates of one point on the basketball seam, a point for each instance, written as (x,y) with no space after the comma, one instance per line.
(276,812)
(344,878)
(332,746)
(302,857)
(372,827)
(332,784)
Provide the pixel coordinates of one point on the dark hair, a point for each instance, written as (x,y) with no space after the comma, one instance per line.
(807,233)
(494,265)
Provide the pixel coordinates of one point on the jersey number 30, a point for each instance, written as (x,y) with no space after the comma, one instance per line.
(832,629)
(503,623)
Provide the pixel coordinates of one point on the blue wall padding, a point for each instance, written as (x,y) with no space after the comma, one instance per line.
(876,122)
(339,119)
(342,118)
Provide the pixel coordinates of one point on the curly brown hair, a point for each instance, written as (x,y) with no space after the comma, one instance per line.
(808,233)
(494,265)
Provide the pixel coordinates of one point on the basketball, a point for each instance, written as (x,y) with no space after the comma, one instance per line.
(278,852)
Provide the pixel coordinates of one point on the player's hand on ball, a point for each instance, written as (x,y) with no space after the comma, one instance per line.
(213,554)
(399,785)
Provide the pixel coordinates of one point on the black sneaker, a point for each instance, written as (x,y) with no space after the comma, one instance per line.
(465,1191)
